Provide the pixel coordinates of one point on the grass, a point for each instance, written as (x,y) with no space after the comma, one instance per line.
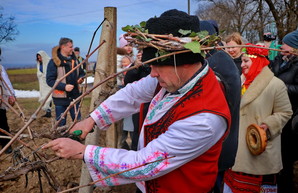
(22,71)
(23,79)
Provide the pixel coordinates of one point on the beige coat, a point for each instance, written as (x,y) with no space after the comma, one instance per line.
(265,101)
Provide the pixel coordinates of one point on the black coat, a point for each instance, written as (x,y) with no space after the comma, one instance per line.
(289,138)
(136,74)
(289,75)
(224,67)
(131,76)
(238,62)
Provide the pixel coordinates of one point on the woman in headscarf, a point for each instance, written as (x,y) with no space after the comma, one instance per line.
(42,60)
(266,104)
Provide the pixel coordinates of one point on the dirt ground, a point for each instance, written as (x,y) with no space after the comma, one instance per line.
(66,172)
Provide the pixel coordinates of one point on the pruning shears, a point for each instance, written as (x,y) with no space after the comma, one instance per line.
(76,135)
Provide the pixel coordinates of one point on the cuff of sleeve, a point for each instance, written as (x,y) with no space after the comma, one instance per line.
(97,121)
(89,161)
(88,155)
(94,117)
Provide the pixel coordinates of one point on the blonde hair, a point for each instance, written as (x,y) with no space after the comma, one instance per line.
(236,37)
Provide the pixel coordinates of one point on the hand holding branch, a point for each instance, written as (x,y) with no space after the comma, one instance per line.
(66,148)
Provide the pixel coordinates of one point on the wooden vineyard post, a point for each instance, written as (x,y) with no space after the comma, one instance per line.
(105,65)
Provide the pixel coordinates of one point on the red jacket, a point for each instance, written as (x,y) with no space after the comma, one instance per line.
(198,175)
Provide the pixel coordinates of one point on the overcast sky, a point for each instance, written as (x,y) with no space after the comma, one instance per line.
(41,23)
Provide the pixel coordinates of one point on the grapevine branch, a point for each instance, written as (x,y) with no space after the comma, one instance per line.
(34,115)
(168,43)
(22,115)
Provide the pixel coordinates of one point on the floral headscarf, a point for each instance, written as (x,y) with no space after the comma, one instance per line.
(259,61)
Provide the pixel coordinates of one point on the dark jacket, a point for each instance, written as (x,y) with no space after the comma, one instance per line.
(295,122)
(59,60)
(136,74)
(131,76)
(289,75)
(238,62)
(224,67)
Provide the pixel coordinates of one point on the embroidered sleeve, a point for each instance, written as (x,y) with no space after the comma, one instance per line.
(108,163)
(186,139)
(125,102)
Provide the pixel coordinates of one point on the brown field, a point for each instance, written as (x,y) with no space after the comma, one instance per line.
(66,172)
(23,79)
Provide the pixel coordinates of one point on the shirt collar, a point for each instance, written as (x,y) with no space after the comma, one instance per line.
(193,80)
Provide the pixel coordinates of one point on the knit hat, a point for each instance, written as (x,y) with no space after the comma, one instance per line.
(76,49)
(170,22)
(215,25)
(291,39)
(207,26)
(122,41)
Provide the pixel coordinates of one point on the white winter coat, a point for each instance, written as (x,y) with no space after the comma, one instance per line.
(44,89)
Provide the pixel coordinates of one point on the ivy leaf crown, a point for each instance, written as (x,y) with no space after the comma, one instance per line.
(139,37)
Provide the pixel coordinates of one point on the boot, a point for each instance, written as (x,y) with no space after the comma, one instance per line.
(48,114)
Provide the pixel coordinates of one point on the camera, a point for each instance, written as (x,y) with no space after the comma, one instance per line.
(269,37)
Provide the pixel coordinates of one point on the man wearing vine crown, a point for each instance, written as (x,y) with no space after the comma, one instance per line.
(182,133)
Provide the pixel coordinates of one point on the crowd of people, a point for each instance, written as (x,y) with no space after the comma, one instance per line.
(222,122)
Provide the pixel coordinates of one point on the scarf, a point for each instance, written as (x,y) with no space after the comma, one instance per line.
(258,63)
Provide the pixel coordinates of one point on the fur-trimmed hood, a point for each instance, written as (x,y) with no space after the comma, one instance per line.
(56,56)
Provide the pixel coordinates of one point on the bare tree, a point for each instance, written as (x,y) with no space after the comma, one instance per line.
(251,18)
(233,16)
(285,14)
(8,28)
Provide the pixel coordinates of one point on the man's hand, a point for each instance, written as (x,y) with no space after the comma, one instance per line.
(11,100)
(66,148)
(69,87)
(80,80)
(86,126)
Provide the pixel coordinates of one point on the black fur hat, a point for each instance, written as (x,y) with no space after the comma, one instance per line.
(170,22)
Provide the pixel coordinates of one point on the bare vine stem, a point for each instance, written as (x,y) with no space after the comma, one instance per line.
(146,62)
(66,111)
(22,115)
(34,115)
